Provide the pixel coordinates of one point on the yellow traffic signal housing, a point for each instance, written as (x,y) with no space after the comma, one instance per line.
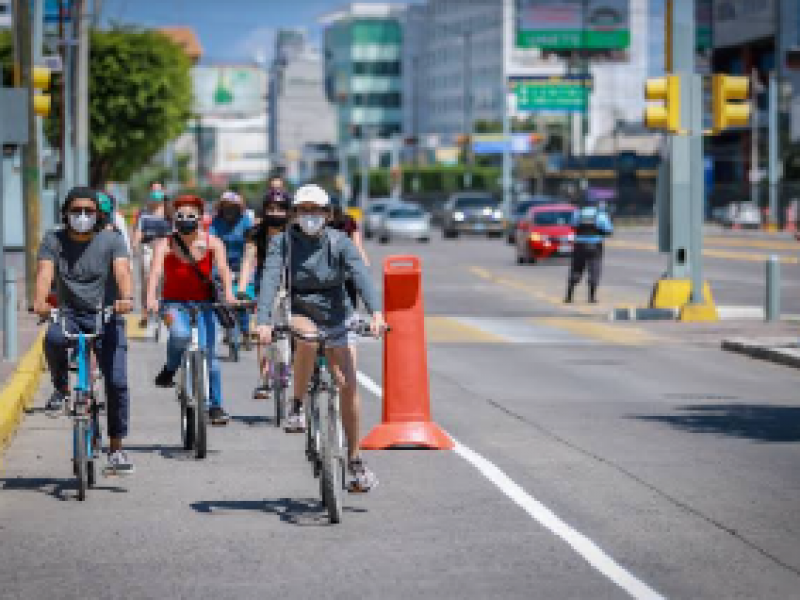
(728,91)
(667,115)
(40,79)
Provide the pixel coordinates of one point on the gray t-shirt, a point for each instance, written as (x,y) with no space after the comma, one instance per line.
(318,267)
(82,268)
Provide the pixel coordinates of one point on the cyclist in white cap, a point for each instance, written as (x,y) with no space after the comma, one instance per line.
(318,260)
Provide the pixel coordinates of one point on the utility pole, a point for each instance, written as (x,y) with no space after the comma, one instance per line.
(467,51)
(82,96)
(365,160)
(774,217)
(755,171)
(30,152)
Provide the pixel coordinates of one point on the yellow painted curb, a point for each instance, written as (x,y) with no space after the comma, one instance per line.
(676,293)
(698,313)
(18,393)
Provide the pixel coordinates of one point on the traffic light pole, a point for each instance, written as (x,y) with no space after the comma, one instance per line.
(697,193)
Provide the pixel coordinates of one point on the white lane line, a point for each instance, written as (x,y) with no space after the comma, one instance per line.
(585,547)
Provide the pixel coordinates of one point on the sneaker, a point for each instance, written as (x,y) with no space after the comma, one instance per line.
(119,464)
(261,392)
(55,403)
(165,378)
(363,480)
(296,421)
(218,416)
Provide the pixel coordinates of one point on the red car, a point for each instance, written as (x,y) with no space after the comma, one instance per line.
(545,231)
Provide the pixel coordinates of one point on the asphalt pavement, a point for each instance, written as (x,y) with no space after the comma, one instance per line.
(595,460)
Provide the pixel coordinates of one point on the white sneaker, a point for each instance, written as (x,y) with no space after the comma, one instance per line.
(119,464)
(296,422)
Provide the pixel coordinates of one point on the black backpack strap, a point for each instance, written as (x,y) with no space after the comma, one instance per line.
(185,249)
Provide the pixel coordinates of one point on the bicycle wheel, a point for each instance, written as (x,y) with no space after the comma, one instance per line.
(279,396)
(330,477)
(187,411)
(233,343)
(96,446)
(200,386)
(80,456)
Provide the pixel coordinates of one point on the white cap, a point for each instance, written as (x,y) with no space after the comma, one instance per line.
(311,194)
(232,197)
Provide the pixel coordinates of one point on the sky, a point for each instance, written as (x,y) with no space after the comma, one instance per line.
(229,30)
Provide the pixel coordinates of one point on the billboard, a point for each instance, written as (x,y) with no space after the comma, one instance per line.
(573,24)
(229,90)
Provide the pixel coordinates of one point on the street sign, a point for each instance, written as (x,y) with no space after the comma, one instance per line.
(568,93)
(573,24)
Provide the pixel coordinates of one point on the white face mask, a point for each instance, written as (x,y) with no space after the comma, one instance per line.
(82,223)
(311,224)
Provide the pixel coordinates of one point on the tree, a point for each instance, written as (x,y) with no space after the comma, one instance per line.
(140,97)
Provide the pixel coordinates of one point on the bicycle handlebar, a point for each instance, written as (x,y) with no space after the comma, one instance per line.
(360,327)
(58,316)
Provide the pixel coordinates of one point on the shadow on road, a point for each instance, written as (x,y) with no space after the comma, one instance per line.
(253,420)
(295,511)
(763,423)
(60,489)
(169,452)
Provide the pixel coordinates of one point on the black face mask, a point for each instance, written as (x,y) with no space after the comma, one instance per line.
(231,214)
(186,226)
(275,220)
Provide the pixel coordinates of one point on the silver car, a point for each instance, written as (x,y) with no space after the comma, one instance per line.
(373,214)
(407,221)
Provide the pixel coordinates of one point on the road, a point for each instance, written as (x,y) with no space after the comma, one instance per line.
(595,460)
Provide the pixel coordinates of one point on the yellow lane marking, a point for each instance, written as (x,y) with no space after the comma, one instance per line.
(612,334)
(447,330)
(537,291)
(746,243)
(710,252)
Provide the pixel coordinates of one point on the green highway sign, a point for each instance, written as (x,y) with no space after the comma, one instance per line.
(573,24)
(556,94)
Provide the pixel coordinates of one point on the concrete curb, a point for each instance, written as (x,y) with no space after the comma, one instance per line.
(17,394)
(775,351)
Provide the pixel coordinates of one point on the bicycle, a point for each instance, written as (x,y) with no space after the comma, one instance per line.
(85,406)
(193,384)
(235,338)
(279,358)
(325,443)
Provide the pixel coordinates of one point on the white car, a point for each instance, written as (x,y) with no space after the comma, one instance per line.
(407,221)
(373,213)
(741,214)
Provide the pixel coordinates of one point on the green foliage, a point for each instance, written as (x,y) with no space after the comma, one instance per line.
(526,125)
(140,97)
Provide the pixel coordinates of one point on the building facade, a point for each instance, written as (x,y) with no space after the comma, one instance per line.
(465,49)
(363,46)
(297,91)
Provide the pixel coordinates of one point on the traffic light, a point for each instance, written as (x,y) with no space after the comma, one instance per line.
(40,78)
(667,115)
(727,93)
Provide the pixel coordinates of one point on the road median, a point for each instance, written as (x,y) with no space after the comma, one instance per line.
(19,389)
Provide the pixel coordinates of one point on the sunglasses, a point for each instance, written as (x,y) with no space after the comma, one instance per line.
(186,216)
(81,210)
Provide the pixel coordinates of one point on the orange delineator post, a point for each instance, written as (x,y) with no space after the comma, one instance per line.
(406,395)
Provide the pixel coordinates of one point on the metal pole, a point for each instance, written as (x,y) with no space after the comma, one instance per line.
(67,109)
(38,27)
(30,154)
(365,156)
(508,106)
(2,210)
(772,308)
(467,35)
(10,314)
(774,218)
(697,187)
(82,97)
(754,167)
(585,112)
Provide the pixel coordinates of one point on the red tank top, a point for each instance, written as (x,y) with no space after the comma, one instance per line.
(182,283)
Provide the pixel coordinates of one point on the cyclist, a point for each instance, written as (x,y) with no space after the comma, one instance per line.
(346,223)
(231,225)
(318,260)
(149,216)
(183,284)
(272,221)
(80,258)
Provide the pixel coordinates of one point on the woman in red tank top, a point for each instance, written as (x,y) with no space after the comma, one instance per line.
(182,285)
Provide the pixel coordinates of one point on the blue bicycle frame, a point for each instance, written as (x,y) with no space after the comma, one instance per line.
(82,393)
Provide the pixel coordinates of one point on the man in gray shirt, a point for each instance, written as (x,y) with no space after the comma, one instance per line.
(80,258)
(318,260)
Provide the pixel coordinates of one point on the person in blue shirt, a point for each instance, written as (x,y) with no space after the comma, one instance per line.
(592,224)
(232,225)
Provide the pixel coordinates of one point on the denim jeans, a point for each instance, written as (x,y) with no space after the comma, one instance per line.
(112,358)
(180,334)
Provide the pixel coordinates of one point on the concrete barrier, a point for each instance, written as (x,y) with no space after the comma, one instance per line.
(18,392)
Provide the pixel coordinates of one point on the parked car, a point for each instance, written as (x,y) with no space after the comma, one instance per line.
(741,214)
(545,231)
(406,221)
(472,212)
(373,214)
(521,208)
